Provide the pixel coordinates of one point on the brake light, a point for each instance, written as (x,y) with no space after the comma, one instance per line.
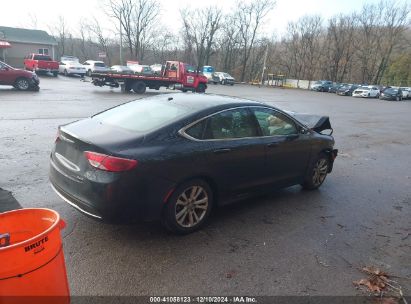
(110,163)
(57,136)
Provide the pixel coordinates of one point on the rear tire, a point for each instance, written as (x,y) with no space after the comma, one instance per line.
(65,73)
(317,172)
(55,74)
(139,87)
(188,208)
(89,73)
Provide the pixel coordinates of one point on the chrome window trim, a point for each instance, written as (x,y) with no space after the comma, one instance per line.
(183,133)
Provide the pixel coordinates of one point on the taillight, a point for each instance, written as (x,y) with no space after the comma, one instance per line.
(110,163)
(57,136)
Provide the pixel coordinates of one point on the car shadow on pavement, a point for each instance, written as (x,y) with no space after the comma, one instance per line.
(256,211)
(7,201)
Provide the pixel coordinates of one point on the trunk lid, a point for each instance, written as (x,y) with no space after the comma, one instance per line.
(89,135)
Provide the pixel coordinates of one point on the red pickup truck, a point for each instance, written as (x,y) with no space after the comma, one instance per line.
(41,64)
(20,79)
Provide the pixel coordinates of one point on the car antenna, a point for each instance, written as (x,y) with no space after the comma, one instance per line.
(170,98)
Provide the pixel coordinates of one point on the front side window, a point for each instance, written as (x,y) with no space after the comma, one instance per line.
(190,69)
(237,123)
(273,123)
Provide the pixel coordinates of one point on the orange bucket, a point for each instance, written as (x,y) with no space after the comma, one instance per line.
(32,267)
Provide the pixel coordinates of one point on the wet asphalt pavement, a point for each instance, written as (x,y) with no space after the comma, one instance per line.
(292,242)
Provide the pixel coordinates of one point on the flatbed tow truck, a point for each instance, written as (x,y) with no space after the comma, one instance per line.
(176,75)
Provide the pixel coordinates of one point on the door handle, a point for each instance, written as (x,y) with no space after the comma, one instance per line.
(220,151)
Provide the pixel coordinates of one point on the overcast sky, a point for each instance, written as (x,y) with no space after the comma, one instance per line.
(21,13)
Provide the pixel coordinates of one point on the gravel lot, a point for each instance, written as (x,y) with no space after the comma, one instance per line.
(292,242)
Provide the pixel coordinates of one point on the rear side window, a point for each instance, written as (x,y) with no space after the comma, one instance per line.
(99,64)
(142,116)
(237,123)
(197,131)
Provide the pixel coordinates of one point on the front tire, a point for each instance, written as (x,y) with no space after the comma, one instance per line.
(201,88)
(188,208)
(317,172)
(89,73)
(65,73)
(22,84)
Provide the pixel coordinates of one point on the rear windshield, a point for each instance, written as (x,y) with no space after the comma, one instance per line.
(143,115)
(99,64)
(42,57)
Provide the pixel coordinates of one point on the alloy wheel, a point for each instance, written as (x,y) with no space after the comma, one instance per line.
(191,206)
(320,172)
(23,84)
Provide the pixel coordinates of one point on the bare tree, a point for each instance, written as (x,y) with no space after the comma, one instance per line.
(394,22)
(340,46)
(122,11)
(199,29)
(60,31)
(103,41)
(229,43)
(248,19)
(138,20)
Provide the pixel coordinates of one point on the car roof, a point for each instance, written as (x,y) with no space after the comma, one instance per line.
(199,102)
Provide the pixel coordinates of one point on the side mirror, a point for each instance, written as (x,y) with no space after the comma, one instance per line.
(303,131)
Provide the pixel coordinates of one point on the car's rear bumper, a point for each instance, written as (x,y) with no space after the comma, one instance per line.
(46,70)
(110,196)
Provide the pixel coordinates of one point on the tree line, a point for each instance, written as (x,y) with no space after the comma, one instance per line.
(371,45)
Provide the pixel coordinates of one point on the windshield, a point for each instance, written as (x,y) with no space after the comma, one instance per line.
(391,91)
(208,69)
(5,65)
(142,115)
(227,75)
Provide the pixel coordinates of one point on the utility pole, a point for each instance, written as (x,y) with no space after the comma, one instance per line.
(121,43)
(265,61)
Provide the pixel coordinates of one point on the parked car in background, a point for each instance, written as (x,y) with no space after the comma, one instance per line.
(70,65)
(208,71)
(347,90)
(406,92)
(136,160)
(223,78)
(157,68)
(368,91)
(122,69)
(39,63)
(20,79)
(391,94)
(321,85)
(95,66)
(141,69)
(335,86)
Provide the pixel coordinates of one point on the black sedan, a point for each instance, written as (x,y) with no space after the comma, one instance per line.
(175,156)
(347,90)
(392,94)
